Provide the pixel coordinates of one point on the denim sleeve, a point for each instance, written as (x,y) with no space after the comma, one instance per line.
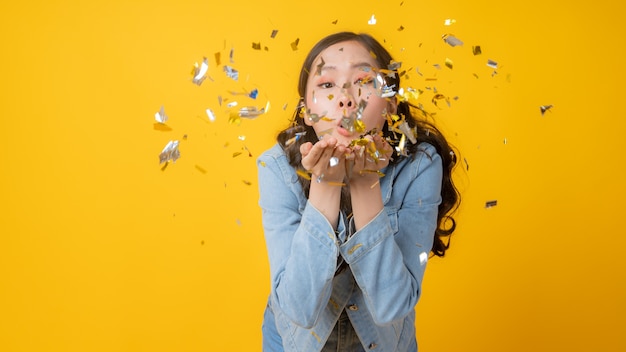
(301,244)
(388,255)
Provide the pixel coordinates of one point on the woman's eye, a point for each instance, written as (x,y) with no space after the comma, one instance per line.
(325,85)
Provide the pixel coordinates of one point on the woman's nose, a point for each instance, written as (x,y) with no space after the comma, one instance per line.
(346,101)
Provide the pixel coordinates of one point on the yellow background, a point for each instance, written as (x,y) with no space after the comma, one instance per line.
(102,250)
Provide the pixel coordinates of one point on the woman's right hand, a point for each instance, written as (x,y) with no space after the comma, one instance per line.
(325,160)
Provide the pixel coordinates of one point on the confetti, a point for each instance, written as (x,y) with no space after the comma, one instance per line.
(254,93)
(294,44)
(304,174)
(218,56)
(251,112)
(491,203)
(211,115)
(295,138)
(231,72)
(372,21)
(160,116)
(246,182)
(274,32)
(476,50)
(334,161)
(452,40)
(449,63)
(170,152)
(492,64)
(545,108)
(449,22)
(256,46)
(199,71)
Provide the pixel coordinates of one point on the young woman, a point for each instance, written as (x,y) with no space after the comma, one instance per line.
(356,195)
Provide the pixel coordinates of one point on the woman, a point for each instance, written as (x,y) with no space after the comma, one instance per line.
(355,195)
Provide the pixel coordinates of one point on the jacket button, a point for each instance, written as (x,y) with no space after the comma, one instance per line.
(353,307)
(372,346)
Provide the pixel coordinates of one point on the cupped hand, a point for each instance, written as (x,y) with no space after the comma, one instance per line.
(367,159)
(325,160)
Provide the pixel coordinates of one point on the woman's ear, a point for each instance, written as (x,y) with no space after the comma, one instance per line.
(392,105)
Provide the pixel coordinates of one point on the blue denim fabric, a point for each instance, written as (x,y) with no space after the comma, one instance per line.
(386,258)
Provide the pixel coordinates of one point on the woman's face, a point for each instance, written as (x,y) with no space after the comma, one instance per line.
(343,93)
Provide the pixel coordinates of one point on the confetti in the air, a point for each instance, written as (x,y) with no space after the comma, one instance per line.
(491,203)
(294,44)
(372,20)
(545,108)
(452,40)
(231,72)
(210,114)
(492,64)
(160,116)
(170,152)
(449,22)
(476,50)
(199,71)
(274,32)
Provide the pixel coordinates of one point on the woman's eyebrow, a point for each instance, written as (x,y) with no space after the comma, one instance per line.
(362,65)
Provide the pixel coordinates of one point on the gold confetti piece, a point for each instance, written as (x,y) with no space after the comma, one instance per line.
(491,203)
(199,71)
(545,108)
(160,116)
(320,66)
(234,119)
(401,28)
(236,154)
(338,184)
(476,50)
(304,174)
(274,32)
(232,104)
(262,163)
(211,115)
(201,169)
(294,44)
(334,22)
(161,127)
(246,182)
(217,58)
(492,64)
(438,97)
(256,46)
(231,55)
(367,171)
(372,21)
(170,152)
(330,97)
(452,40)
(449,63)
(449,22)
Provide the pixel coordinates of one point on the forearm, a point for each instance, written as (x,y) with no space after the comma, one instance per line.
(325,198)
(366,200)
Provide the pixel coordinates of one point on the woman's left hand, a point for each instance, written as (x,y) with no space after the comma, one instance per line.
(367,160)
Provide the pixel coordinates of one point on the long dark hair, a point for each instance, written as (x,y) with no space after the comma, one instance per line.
(417,118)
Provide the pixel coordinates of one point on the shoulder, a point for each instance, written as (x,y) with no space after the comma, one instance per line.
(276,160)
(424,157)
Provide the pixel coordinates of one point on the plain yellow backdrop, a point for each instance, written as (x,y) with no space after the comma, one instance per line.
(104,250)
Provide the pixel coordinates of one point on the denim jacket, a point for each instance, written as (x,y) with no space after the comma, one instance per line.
(386,258)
